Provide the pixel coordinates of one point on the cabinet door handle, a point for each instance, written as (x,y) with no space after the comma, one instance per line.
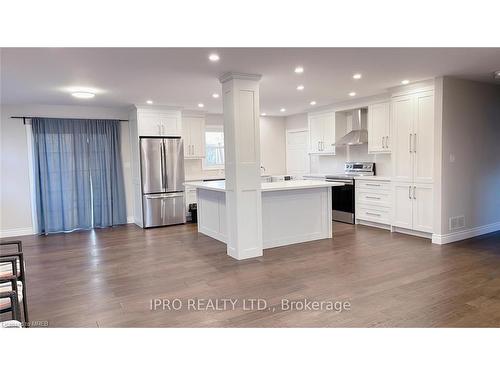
(370,197)
(372,214)
(414,192)
(387,141)
(409,144)
(372,184)
(383,142)
(409,192)
(414,142)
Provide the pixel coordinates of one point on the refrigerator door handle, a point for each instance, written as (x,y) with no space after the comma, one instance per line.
(162,166)
(164,161)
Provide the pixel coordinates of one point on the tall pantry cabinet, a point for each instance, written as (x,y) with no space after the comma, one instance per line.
(413,160)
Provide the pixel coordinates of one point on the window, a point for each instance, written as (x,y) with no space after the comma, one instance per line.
(214,147)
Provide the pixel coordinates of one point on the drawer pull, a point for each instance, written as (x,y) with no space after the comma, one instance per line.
(369,197)
(367,184)
(372,214)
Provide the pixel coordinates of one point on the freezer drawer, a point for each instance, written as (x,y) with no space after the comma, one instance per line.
(163,209)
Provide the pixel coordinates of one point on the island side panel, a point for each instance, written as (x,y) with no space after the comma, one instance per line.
(212,213)
(294,216)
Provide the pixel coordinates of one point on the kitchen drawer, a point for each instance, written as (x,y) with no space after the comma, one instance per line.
(373,185)
(373,197)
(376,214)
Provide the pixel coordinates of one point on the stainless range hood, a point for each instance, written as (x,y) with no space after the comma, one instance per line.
(358,135)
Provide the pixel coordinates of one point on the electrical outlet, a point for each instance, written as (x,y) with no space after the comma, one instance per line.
(456,222)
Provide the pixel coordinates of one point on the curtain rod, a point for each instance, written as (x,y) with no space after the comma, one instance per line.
(65,118)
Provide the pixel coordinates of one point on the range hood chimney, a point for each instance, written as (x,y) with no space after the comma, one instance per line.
(359,134)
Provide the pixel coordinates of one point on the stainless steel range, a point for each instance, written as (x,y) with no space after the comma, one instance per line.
(343,196)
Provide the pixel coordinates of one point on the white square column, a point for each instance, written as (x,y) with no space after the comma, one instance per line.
(242,164)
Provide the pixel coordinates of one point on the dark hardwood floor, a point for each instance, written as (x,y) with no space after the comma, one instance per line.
(107,278)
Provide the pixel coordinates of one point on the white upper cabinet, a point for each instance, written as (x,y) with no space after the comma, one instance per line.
(379,128)
(322,133)
(402,130)
(158,123)
(193,133)
(413,137)
(423,138)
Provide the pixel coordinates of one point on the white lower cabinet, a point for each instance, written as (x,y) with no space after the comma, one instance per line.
(373,201)
(190,196)
(413,206)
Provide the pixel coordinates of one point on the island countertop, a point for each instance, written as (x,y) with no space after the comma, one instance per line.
(268,186)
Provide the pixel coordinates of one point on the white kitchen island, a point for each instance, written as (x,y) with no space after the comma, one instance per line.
(292,211)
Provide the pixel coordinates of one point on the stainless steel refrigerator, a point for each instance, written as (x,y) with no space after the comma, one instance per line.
(162,177)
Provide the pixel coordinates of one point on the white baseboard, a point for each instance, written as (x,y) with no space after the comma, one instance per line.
(412,232)
(16,232)
(373,224)
(130,220)
(464,234)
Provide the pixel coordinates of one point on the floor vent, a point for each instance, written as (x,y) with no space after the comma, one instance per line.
(457,222)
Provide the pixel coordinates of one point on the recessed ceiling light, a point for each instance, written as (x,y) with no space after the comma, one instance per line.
(352,94)
(149,101)
(313,103)
(357,76)
(300,87)
(201,105)
(282,110)
(497,74)
(83,95)
(405,82)
(215,95)
(299,70)
(213,57)
(263,114)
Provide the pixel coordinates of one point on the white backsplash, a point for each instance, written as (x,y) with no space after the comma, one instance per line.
(193,169)
(335,164)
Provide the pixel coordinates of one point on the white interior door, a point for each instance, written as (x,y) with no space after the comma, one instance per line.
(423,208)
(423,138)
(402,128)
(402,205)
(297,156)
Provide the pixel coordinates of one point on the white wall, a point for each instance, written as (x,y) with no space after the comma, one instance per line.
(471,137)
(272,145)
(15,193)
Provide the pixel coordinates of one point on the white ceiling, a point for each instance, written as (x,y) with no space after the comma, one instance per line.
(185,77)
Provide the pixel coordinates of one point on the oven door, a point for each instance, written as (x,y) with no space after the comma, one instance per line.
(343,202)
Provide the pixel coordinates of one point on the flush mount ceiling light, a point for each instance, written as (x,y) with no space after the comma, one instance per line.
(497,74)
(263,114)
(149,101)
(282,110)
(300,87)
(299,70)
(405,82)
(215,95)
(357,76)
(201,105)
(352,94)
(83,95)
(213,57)
(313,103)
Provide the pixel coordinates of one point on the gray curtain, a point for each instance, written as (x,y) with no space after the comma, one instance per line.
(78,174)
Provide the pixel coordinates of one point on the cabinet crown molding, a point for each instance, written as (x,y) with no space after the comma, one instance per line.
(244,76)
